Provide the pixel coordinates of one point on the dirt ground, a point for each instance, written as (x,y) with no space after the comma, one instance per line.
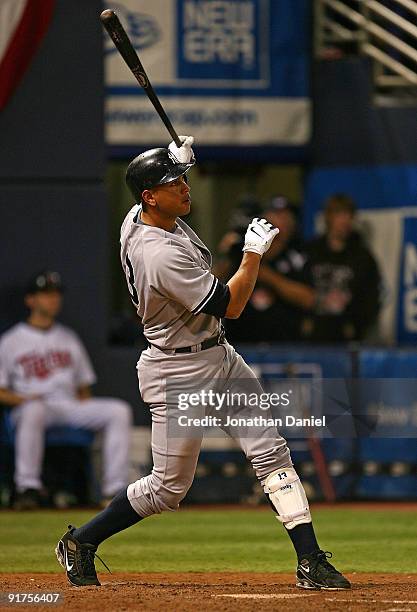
(217,591)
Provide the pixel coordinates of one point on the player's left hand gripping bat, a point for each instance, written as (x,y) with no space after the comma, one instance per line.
(122,42)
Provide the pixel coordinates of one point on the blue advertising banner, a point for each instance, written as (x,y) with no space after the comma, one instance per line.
(389,454)
(372,188)
(230,72)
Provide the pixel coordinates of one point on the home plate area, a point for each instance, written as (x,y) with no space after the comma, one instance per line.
(226,591)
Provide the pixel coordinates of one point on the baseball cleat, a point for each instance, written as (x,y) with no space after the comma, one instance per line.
(315,572)
(77,560)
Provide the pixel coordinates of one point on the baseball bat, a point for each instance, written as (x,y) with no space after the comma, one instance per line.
(117,33)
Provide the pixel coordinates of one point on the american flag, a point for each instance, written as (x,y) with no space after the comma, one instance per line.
(23,24)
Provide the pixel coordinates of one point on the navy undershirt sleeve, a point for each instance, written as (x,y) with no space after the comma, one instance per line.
(218,302)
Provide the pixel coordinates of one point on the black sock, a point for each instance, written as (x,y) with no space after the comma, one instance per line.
(303,539)
(118,515)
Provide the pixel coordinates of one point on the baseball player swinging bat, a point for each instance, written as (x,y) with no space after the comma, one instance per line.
(122,43)
(181,303)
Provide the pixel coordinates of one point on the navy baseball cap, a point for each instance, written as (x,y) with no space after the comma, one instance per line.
(247,207)
(280,202)
(45,281)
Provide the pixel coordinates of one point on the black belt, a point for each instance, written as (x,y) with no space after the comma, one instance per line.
(196,348)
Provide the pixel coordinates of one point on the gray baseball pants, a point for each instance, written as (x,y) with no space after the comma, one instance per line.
(175,458)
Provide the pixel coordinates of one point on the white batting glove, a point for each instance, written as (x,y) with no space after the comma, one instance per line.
(259,236)
(183,154)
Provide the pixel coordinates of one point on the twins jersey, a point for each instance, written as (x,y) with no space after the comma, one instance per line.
(177,297)
(50,363)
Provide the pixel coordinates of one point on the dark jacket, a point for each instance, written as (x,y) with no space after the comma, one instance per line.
(268,317)
(348,291)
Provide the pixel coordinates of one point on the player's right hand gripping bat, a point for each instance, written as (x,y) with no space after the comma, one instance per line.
(122,42)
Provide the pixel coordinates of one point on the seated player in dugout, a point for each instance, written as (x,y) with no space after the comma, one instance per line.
(345,278)
(46,377)
(181,304)
(282,294)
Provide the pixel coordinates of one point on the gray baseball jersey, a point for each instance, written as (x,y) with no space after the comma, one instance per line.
(178,299)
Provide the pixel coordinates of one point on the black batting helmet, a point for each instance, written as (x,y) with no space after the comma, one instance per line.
(152,168)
